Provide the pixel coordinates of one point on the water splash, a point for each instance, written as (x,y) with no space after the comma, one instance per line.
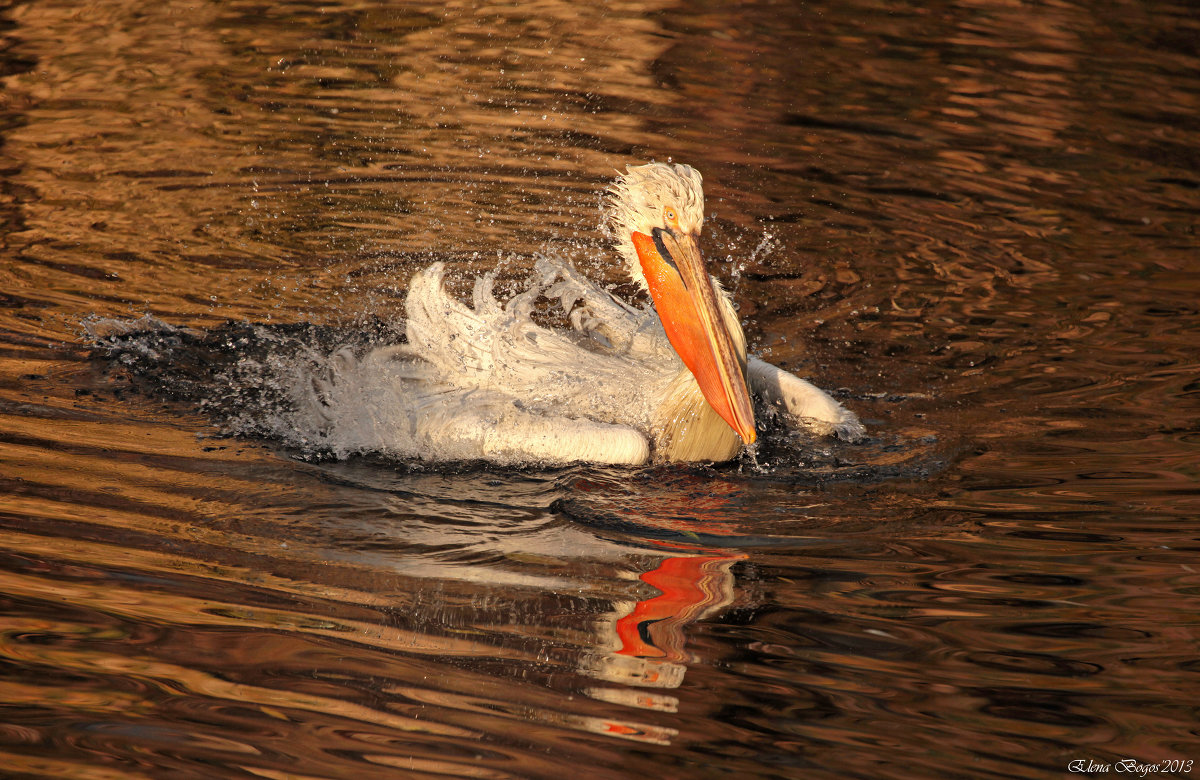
(394,388)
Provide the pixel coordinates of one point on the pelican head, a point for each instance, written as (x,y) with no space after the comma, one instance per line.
(657,211)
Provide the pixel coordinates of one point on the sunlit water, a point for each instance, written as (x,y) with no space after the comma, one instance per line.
(976,222)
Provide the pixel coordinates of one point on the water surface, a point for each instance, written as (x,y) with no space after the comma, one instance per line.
(976,221)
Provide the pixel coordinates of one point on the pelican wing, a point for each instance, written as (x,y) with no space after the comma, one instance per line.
(608,368)
(390,401)
(608,323)
(804,404)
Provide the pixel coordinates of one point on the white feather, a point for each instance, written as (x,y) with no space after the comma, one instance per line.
(485,381)
(637,201)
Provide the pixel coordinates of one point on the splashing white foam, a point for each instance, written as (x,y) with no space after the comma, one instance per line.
(467,374)
(477,381)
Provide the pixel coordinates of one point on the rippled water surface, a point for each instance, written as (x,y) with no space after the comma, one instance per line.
(976,220)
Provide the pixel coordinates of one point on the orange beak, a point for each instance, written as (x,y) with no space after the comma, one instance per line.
(687,305)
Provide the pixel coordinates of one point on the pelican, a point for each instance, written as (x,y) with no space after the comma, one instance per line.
(621,385)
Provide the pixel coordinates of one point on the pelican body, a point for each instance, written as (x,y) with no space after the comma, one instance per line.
(622,385)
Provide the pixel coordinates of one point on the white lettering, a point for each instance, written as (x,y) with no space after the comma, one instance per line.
(1087,766)
(1130,766)
(1133,766)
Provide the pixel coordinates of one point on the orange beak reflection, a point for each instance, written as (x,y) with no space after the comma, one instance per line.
(687,305)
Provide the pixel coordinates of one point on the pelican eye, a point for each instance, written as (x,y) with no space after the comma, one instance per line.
(671,218)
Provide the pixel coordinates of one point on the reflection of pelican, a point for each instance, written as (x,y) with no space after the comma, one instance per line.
(690,587)
(645,652)
(620,386)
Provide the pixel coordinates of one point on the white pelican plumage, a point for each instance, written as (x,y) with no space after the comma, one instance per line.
(621,386)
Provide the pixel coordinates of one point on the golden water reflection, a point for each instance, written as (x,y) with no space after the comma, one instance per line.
(978,222)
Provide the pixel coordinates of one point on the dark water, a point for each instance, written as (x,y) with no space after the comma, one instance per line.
(978,219)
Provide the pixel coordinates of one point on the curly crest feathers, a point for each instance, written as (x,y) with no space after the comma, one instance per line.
(638,200)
